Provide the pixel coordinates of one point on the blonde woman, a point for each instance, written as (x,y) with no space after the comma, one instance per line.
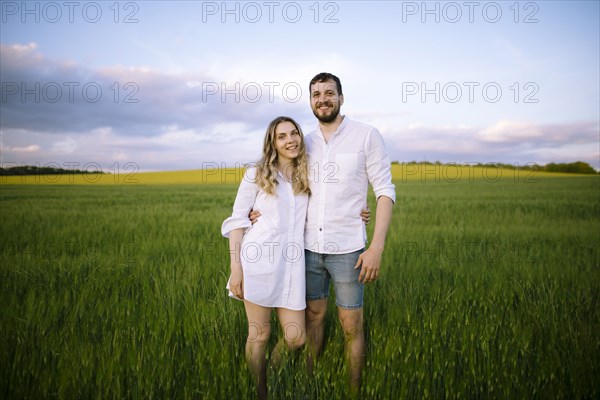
(267,258)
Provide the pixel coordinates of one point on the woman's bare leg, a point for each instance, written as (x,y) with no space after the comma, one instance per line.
(259,330)
(294,332)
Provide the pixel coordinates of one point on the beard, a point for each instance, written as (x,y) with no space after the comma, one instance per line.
(326,118)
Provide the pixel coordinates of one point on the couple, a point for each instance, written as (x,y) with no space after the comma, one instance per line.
(306,196)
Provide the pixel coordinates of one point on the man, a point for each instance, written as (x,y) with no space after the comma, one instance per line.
(344,157)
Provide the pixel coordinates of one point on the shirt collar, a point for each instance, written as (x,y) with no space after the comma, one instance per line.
(339,129)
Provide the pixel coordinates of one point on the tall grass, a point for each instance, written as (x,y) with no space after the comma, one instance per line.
(489,289)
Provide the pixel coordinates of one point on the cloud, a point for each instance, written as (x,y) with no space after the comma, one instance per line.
(115,112)
(46,95)
(32,148)
(57,111)
(539,134)
(504,141)
(63,147)
(509,131)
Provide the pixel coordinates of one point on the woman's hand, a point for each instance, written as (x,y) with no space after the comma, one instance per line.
(236,281)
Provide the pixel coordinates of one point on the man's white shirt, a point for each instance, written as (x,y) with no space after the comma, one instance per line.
(339,172)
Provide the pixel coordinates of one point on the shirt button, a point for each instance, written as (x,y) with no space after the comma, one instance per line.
(320,229)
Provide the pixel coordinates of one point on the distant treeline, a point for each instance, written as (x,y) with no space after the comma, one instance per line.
(33,170)
(578,167)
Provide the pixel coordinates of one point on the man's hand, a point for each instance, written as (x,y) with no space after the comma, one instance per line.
(370,260)
(254,216)
(365,214)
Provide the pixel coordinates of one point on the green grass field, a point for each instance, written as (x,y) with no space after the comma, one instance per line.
(489,289)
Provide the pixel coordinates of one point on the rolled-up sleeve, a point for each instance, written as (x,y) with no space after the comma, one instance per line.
(243,204)
(379,169)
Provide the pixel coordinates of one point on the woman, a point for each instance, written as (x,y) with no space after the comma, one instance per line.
(267,258)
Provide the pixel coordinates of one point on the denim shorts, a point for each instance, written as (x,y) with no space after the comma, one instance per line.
(321,268)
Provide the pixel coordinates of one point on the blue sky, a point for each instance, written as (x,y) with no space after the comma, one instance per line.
(182,85)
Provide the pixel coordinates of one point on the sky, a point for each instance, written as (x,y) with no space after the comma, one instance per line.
(179,85)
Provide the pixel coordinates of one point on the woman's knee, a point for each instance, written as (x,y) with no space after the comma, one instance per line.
(258,333)
(294,335)
(296,344)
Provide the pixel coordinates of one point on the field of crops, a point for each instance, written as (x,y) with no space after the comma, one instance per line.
(489,289)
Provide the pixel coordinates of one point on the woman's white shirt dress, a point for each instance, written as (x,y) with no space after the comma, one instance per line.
(272,251)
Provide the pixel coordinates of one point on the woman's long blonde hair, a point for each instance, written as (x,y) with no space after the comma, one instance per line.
(266,170)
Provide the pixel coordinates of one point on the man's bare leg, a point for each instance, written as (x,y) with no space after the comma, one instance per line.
(352,325)
(315,329)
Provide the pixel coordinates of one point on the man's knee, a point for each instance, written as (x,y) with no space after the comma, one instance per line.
(351,321)
(315,312)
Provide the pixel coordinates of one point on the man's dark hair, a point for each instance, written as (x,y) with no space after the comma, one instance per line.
(324,77)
